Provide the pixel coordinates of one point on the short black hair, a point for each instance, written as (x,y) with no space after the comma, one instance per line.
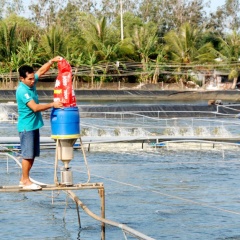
(23,70)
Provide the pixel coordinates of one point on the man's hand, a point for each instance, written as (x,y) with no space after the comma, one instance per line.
(42,107)
(56,59)
(57,104)
(47,65)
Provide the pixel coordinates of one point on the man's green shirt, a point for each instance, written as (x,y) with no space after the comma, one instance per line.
(28,120)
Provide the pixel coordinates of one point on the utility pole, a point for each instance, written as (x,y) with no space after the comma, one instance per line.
(121,12)
(180,11)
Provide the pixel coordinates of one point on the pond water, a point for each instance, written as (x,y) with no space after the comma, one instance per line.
(163,193)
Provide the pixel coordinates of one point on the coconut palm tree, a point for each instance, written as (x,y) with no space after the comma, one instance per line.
(145,41)
(94,32)
(90,61)
(183,49)
(54,42)
(160,60)
(229,53)
(8,48)
(183,46)
(233,75)
(102,47)
(8,42)
(28,53)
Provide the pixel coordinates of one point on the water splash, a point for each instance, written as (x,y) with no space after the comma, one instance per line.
(3,114)
(7,114)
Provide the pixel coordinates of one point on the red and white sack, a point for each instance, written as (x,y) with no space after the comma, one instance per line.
(63,90)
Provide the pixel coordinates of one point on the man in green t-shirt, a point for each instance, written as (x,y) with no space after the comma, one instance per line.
(30,118)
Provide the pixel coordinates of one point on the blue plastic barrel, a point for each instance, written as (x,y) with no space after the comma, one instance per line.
(65,123)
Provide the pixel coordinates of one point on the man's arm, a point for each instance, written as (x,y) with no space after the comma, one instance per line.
(44,68)
(42,107)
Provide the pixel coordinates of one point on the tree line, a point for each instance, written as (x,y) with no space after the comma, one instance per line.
(140,41)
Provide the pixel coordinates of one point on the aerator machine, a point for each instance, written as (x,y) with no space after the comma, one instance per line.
(65,131)
(65,122)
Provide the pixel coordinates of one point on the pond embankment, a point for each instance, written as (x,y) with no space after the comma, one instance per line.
(139,95)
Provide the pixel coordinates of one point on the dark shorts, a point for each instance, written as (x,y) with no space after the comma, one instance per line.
(30,144)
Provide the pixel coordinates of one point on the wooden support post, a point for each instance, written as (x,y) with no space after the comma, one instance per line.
(102,196)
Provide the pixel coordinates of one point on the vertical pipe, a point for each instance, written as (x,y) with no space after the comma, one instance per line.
(56,163)
(102,196)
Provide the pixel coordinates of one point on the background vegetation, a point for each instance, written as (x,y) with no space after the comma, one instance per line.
(160,40)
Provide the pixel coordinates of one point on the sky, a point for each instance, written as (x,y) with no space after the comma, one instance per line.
(213,3)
